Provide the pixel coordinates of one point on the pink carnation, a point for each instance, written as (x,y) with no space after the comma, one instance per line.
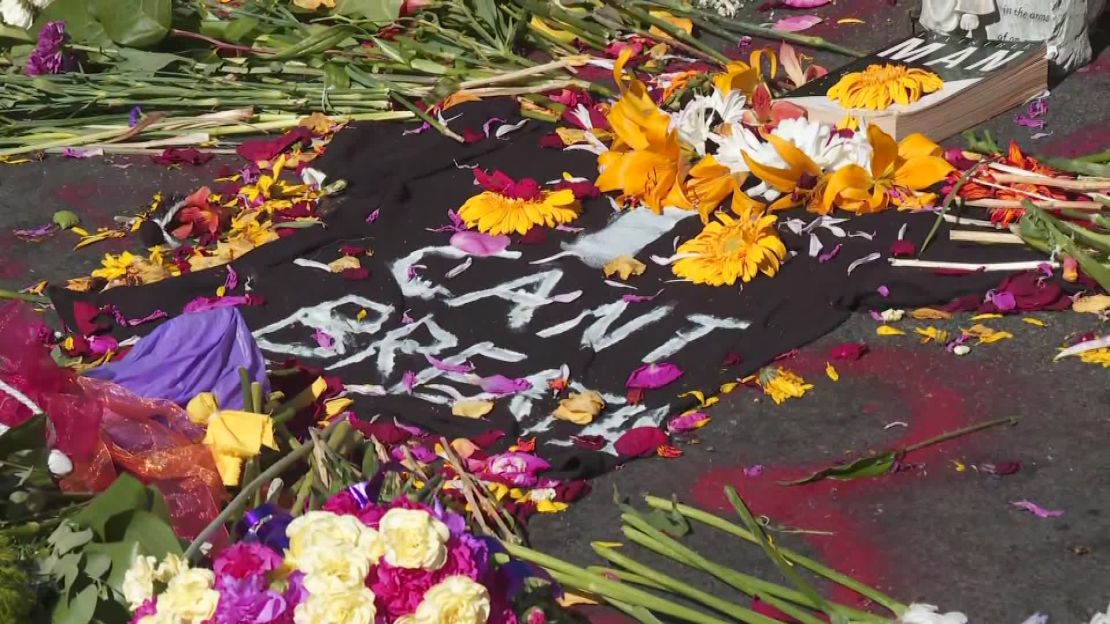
(246,559)
(400,590)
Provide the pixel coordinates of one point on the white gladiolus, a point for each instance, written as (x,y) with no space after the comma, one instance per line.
(59,464)
(16,14)
(927,614)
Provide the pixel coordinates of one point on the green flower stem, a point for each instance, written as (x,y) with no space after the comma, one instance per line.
(578,578)
(816,567)
(730,609)
(625,576)
(745,583)
(11,294)
(677,34)
(425,117)
(236,505)
(948,199)
(1098,157)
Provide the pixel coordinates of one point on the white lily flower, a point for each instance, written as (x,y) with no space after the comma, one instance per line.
(16,14)
(927,614)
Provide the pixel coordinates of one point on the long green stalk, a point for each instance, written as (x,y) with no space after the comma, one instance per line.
(578,578)
(816,567)
(672,584)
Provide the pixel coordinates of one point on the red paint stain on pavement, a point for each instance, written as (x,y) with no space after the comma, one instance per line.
(929,407)
(1086,140)
(11,267)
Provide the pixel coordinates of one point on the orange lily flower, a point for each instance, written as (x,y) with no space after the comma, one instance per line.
(737,75)
(645,161)
(802,181)
(710,183)
(898,171)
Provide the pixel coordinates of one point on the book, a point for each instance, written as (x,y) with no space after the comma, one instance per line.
(982,79)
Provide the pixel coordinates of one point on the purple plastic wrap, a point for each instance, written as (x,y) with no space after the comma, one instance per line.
(190,354)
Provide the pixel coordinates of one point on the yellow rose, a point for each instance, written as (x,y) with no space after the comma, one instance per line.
(138,581)
(351,607)
(454,600)
(189,596)
(413,539)
(333,570)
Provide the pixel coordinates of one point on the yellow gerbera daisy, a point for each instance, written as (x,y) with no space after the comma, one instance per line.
(731,248)
(508,206)
(879,86)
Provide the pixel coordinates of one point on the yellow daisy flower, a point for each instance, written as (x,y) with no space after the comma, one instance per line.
(508,206)
(731,248)
(879,86)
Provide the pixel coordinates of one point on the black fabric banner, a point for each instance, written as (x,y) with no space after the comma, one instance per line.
(507,315)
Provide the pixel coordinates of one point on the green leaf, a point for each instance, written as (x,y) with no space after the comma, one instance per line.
(18,34)
(28,435)
(239,29)
(125,493)
(428,67)
(77,610)
(96,564)
(81,25)
(153,535)
(66,219)
(65,538)
(134,23)
(335,76)
(158,505)
(121,554)
(872,466)
(146,61)
(377,11)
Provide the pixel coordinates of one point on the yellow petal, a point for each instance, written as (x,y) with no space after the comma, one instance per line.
(229,467)
(342,264)
(201,407)
(930,314)
(847,177)
(1033,321)
(984,317)
(336,407)
(885,151)
(624,266)
(921,172)
(580,408)
(239,433)
(1092,304)
(887,330)
(831,372)
(917,144)
(782,180)
(472,408)
(794,157)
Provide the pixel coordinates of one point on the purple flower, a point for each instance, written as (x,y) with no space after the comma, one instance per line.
(47,57)
(684,423)
(247,601)
(500,384)
(136,115)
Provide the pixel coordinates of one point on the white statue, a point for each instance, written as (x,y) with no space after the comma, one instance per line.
(1061,24)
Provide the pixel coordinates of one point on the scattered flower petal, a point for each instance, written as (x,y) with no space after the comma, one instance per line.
(640,442)
(887,330)
(471,408)
(797,23)
(653,376)
(1036,509)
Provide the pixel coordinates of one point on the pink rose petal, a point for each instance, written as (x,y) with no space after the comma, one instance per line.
(479,244)
(754,471)
(640,442)
(1036,509)
(500,384)
(653,376)
(797,22)
(687,422)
